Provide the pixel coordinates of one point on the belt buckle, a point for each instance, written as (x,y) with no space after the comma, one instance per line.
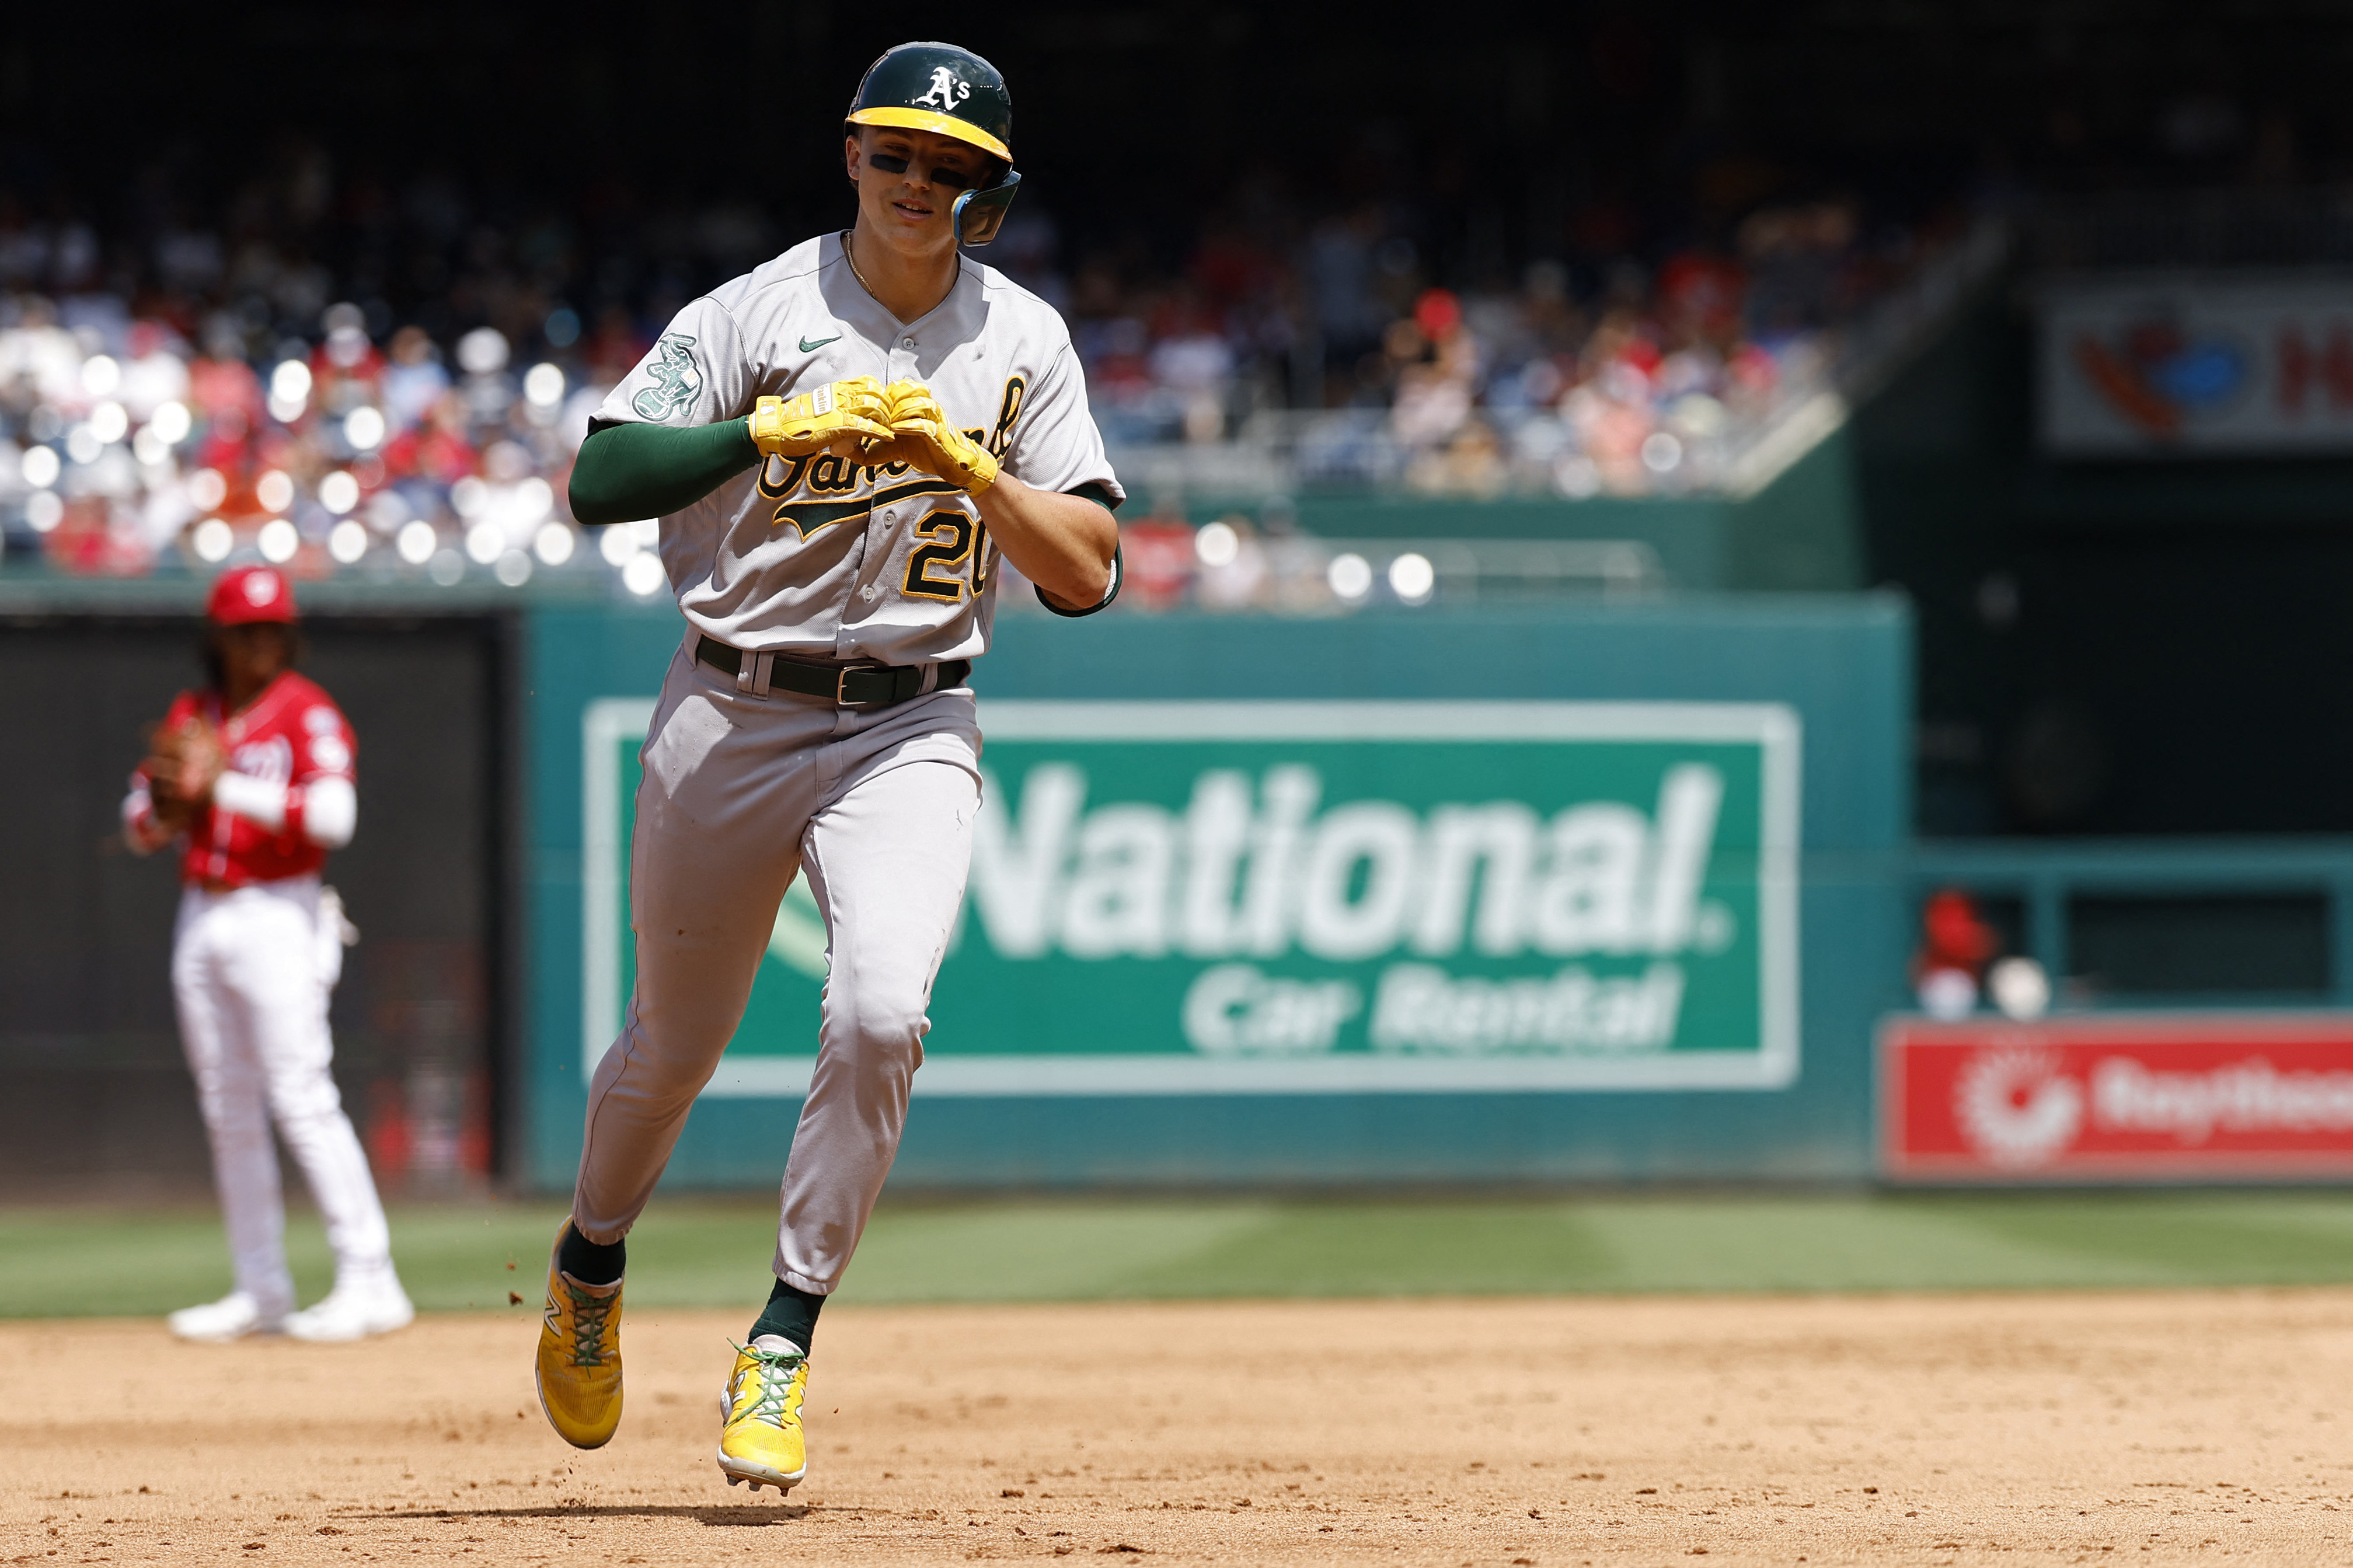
(842,698)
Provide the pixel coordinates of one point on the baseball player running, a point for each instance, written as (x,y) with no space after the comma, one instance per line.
(840,445)
(255,772)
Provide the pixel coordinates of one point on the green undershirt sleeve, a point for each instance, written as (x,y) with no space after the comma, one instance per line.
(629,471)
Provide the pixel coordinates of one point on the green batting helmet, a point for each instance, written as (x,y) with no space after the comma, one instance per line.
(952,92)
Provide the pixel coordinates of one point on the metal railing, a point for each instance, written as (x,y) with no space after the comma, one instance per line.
(2051,880)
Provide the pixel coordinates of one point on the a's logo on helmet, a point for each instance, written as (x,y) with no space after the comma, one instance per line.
(947,90)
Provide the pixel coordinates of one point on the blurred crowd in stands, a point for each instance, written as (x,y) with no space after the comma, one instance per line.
(126,439)
(191,392)
(1616,376)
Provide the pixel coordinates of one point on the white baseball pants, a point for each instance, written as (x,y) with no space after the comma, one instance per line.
(739,794)
(251,970)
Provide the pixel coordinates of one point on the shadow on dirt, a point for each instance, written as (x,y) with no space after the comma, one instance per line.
(718,1513)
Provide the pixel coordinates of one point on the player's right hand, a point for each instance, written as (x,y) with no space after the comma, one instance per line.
(180,766)
(835,417)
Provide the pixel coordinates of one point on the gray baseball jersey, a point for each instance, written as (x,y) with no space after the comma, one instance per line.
(835,560)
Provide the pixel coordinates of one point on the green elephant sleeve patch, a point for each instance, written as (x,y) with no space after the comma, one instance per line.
(677,382)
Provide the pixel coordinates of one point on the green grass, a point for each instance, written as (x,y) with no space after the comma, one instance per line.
(715,1252)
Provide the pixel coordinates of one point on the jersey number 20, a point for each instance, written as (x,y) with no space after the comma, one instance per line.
(954,536)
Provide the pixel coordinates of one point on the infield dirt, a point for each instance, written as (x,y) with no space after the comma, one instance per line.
(2150,1427)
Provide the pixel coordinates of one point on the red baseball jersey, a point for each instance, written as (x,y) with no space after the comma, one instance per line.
(291,734)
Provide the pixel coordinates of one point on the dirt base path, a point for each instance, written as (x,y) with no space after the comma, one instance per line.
(2145,1428)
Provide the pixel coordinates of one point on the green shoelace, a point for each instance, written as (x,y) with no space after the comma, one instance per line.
(773,1389)
(588,1315)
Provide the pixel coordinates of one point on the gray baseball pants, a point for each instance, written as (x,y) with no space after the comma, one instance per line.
(740,793)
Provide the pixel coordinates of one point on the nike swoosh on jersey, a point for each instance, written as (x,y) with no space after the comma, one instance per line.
(808,347)
(808,517)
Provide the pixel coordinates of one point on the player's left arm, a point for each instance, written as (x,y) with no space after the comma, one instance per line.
(1047,499)
(320,805)
(323,805)
(325,810)
(1064,543)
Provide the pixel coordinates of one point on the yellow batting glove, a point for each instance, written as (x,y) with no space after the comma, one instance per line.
(923,431)
(836,413)
(914,397)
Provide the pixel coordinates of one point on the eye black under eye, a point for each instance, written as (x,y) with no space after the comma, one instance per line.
(889,163)
(949,179)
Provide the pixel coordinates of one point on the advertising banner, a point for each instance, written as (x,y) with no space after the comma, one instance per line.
(1316,897)
(2177,1096)
(2182,364)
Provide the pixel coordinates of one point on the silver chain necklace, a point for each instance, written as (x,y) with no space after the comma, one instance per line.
(846,255)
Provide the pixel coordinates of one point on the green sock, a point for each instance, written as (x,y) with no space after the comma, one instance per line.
(790,1312)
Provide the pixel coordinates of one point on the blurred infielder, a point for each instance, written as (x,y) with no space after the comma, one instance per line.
(842,444)
(256,771)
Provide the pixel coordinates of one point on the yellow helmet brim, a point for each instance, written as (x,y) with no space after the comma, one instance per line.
(938,124)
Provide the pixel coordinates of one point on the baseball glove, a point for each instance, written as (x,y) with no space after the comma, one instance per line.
(832,416)
(921,435)
(182,763)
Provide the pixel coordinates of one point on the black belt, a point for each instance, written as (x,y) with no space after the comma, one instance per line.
(863,686)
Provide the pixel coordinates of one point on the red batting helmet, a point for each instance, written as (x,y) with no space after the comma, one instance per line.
(249,594)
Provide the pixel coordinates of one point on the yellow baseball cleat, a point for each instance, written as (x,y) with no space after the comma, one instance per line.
(579,1364)
(760,1441)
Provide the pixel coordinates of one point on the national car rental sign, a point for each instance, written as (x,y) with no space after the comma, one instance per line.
(2179,1097)
(1282,897)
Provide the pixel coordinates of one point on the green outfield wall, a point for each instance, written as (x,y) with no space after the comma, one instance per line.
(1588,892)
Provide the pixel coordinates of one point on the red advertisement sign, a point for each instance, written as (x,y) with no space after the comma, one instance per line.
(2164,1097)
